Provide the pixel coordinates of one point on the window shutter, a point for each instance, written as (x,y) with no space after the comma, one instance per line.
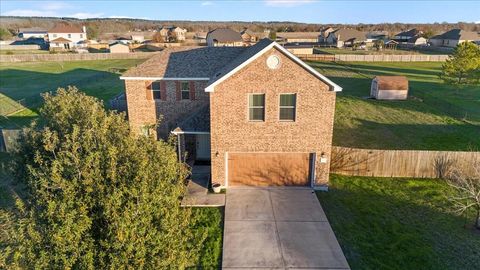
(163,90)
(192,90)
(179,93)
(148,90)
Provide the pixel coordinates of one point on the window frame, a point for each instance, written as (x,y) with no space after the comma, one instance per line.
(69,35)
(287,107)
(256,107)
(159,90)
(182,90)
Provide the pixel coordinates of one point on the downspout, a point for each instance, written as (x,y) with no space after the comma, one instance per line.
(179,148)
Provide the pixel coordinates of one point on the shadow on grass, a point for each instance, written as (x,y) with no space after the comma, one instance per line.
(388,223)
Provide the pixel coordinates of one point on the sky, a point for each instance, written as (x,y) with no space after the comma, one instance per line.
(308,11)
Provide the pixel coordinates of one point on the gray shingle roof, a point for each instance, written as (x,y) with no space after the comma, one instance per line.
(350,34)
(410,33)
(224,35)
(458,34)
(186,62)
(198,121)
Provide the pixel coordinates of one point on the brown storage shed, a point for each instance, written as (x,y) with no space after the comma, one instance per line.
(389,88)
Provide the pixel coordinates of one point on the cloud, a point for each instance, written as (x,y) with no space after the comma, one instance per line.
(55,5)
(207,3)
(85,15)
(287,3)
(126,17)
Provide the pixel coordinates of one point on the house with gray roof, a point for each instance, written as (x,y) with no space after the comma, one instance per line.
(406,36)
(224,37)
(258,115)
(346,37)
(454,37)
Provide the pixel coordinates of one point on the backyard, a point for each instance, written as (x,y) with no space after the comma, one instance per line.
(334,50)
(22,83)
(436,116)
(393,223)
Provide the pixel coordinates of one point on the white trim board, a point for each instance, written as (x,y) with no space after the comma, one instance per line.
(335,87)
(162,79)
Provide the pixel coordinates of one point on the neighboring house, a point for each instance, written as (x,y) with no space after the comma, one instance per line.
(260,115)
(224,37)
(299,48)
(417,41)
(118,47)
(248,36)
(377,35)
(454,37)
(346,37)
(200,36)
(389,88)
(137,38)
(66,37)
(298,37)
(405,36)
(34,32)
(123,40)
(322,38)
(172,33)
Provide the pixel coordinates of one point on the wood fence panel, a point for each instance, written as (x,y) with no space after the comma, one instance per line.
(72,57)
(373,57)
(400,163)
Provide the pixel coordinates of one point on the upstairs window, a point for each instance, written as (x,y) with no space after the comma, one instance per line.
(69,35)
(185,89)
(157,94)
(54,35)
(256,107)
(81,35)
(288,103)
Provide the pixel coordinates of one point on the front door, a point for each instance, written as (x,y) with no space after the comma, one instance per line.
(203,146)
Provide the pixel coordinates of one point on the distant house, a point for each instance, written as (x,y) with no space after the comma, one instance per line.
(224,37)
(346,37)
(200,36)
(172,33)
(417,41)
(405,36)
(324,32)
(118,47)
(123,40)
(454,37)
(248,35)
(137,38)
(299,48)
(298,37)
(34,32)
(389,88)
(66,36)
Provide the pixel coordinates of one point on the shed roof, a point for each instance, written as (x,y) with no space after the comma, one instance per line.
(392,83)
(224,35)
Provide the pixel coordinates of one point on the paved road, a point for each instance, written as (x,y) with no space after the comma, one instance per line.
(278,228)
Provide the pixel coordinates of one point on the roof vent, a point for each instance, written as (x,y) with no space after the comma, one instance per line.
(218,74)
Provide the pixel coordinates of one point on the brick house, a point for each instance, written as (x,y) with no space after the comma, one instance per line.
(258,114)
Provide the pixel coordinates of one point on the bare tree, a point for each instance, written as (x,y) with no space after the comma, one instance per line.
(466,195)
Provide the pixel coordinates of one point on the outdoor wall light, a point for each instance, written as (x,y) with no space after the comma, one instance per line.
(323,158)
(217,154)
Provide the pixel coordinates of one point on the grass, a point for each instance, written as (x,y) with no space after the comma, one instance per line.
(26,81)
(7,52)
(391,223)
(437,116)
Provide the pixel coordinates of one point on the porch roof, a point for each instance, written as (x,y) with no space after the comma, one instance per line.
(198,122)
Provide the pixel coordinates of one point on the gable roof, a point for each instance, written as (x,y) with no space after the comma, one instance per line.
(224,35)
(65,28)
(212,64)
(458,34)
(184,62)
(61,40)
(409,33)
(254,52)
(349,34)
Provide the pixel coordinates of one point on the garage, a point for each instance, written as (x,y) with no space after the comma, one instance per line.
(269,169)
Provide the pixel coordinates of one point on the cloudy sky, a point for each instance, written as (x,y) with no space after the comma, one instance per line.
(310,11)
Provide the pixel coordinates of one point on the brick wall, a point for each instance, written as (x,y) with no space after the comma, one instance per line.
(232,132)
(142,111)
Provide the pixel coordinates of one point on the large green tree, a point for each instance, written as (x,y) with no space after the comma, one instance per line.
(98,196)
(463,66)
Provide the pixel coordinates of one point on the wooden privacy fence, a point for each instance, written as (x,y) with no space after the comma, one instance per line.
(72,56)
(401,163)
(373,57)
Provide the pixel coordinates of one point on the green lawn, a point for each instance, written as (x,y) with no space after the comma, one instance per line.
(436,117)
(392,223)
(25,82)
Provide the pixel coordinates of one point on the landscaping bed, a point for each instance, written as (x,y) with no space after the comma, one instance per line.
(394,223)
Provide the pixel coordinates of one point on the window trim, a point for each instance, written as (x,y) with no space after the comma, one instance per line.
(185,90)
(264,107)
(287,107)
(159,90)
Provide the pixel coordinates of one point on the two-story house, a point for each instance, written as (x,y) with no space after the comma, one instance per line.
(224,37)
(65,37)
(172,33)
(258,114)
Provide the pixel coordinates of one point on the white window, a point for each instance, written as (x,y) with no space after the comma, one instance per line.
(81,35)
(157,94)
(69,35)
(288,107)
(54,35)
(185,90)
(256,107)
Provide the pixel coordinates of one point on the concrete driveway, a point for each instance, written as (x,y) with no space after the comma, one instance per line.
(278,228)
